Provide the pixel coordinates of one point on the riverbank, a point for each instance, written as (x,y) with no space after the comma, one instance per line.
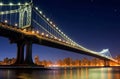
(50,68)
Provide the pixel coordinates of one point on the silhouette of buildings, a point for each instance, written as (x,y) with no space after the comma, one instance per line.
(66,62)
(8,61)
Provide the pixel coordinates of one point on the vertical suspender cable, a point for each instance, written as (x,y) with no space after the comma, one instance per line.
(6,18)
(16,23)
(10,15)
(1,14)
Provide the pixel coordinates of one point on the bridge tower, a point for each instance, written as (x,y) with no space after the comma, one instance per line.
(25,15)
(27,8)
(106,52)
(106,63)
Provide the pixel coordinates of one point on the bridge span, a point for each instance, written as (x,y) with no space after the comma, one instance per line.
(25,24)
(28,37)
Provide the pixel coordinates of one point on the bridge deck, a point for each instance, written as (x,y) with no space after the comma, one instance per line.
(12,32)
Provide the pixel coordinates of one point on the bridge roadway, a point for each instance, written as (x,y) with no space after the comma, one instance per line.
(16,35)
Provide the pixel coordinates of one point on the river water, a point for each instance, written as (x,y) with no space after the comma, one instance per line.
(76,73)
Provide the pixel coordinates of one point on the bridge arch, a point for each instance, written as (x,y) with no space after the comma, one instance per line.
(25,19)
(25,13)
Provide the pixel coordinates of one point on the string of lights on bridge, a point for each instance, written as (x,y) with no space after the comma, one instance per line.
(54,26)
(57,39)
(42,34)
(47,19)
(11,4)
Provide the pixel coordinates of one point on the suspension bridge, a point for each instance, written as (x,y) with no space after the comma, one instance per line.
(25,24)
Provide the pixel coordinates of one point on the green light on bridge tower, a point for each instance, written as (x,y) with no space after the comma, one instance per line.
(22,10)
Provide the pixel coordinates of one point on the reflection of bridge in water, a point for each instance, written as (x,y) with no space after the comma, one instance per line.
(33,26)
(78,73)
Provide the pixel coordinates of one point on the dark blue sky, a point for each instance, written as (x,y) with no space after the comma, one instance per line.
(94,24)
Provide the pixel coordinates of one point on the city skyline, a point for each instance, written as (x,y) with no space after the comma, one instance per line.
(66,62)
(93,24)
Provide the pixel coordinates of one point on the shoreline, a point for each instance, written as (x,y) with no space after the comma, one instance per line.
(51,68)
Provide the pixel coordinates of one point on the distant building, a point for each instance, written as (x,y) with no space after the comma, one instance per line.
(8,61)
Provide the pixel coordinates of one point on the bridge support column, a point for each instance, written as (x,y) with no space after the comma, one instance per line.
(28,58)
(106,63)
(20,53)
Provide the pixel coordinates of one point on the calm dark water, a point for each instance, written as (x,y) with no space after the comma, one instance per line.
(78,73)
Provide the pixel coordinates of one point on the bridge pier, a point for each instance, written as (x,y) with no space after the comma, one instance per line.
(106,63)
(20,53)
(28,58)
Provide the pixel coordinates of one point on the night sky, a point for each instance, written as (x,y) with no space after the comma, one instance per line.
(94,24)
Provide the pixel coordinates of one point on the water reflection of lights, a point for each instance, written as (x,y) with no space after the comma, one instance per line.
(24,76)
(74,73)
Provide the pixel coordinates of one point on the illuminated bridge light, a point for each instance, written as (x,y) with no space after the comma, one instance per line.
(47,19)
(6,21)
(1,3)
(37,32)
(2,12)
(60,40)
(47,35)
(36,8)
(33,31)
(10,4)
(26,3)
(24,30)
(71,43)
(66,42)
(19,3)
(66,37)
(57,28)
(54,25)
(40,12)
(42,34)
(16,24)
(51,22)
(63,40)
(55,37)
